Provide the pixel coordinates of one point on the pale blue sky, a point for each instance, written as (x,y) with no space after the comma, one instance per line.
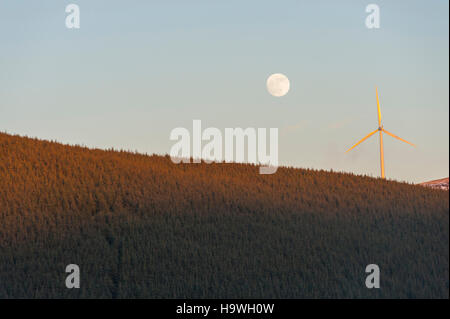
(137,69)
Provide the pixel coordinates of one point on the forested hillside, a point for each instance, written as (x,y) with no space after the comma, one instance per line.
(141,226)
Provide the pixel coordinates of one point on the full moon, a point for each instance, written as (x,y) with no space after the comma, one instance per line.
(278,84)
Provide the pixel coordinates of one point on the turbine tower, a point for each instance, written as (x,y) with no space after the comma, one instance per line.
(381,130)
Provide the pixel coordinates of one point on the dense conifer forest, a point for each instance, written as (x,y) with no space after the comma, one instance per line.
(142,227)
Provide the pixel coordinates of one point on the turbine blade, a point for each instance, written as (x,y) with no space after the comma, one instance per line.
(365,138)
(379,111)
(399,138)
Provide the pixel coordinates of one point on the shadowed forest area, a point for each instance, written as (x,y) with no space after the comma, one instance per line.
(142,227)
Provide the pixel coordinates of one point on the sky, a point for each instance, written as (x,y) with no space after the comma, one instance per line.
(135,70)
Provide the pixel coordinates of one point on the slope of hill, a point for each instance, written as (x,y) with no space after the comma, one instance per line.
(442,183)
(141,226)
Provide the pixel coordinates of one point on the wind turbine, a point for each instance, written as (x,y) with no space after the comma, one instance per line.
(380,129)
